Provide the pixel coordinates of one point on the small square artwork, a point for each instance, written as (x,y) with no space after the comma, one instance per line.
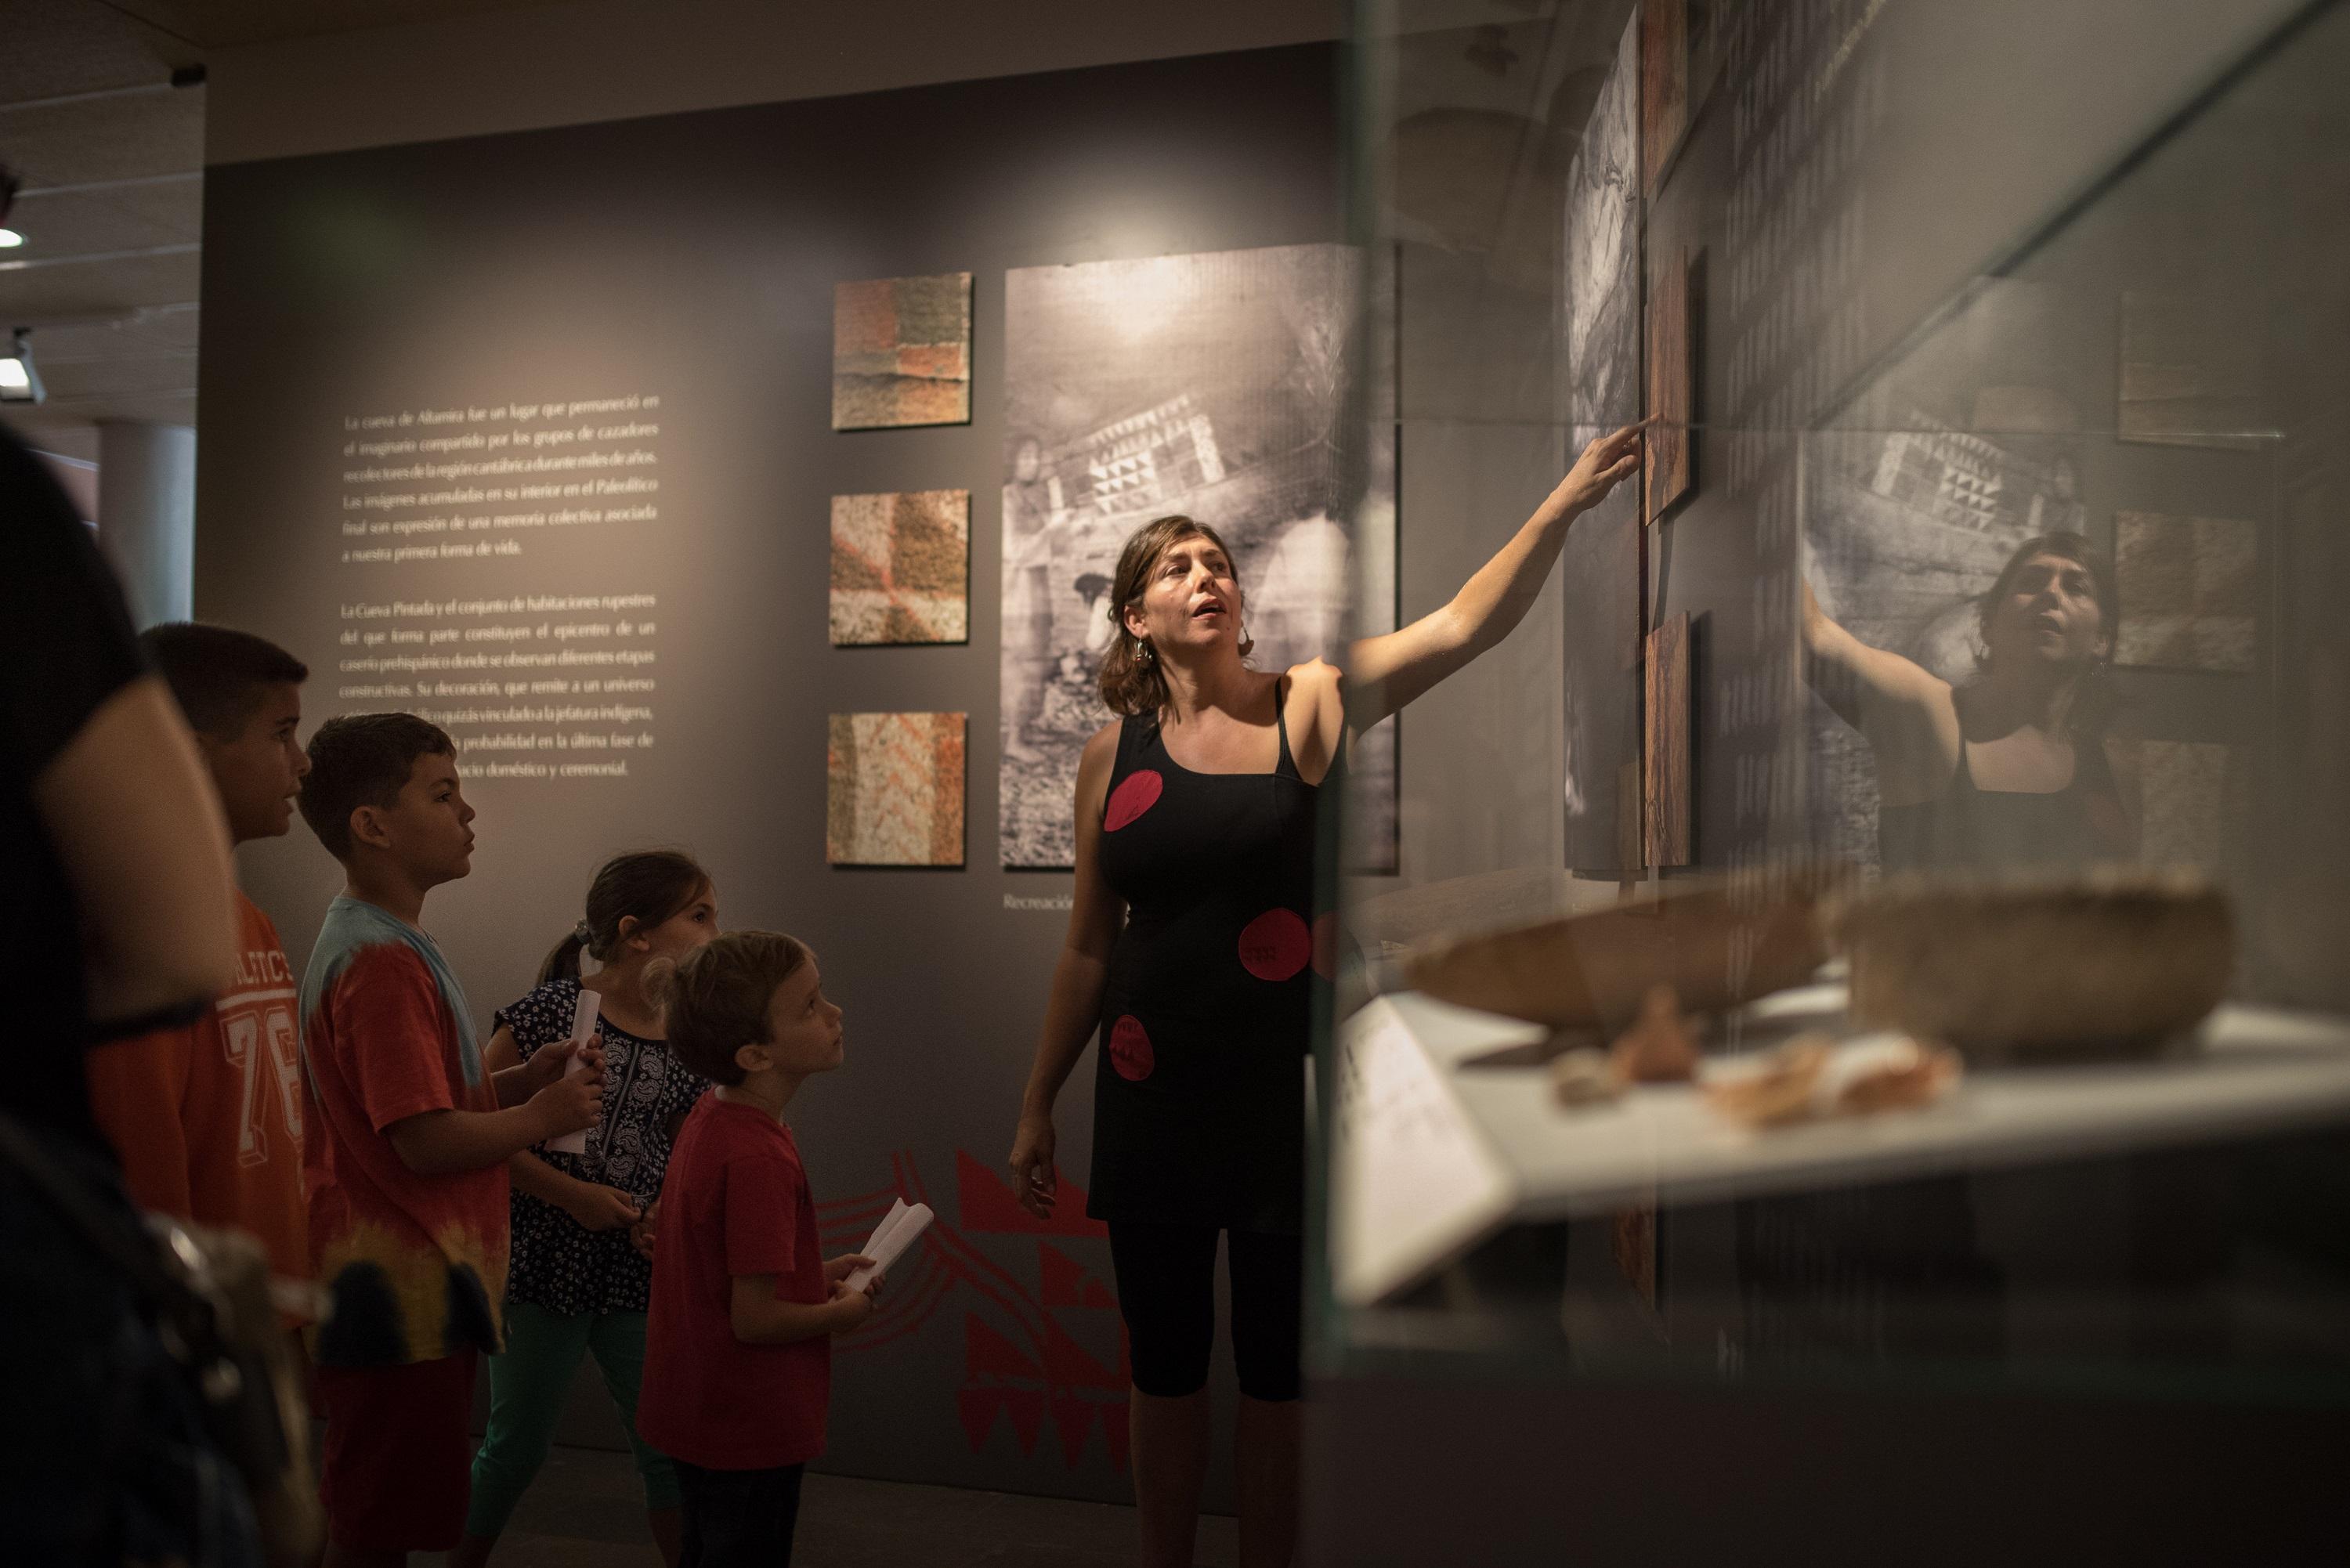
(1665,476)
(1665,765)
(1664,85)
(902,352)
(894,789)
(2189,591)
(2189,371)
(2192,795)
(901,567)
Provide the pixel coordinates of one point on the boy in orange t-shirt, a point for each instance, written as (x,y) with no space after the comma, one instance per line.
(207,1118)
(411,1130)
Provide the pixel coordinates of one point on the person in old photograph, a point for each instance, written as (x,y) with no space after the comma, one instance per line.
(1192,948)
(1030,510)
(1078,664)
(2016,766)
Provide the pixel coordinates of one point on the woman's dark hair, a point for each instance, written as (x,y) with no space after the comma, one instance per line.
(1130,681)
(654,885)
(2095,705)
(715,1000)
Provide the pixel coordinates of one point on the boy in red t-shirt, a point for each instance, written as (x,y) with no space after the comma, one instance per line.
(407,1145)
(207,1117)
(738,1352)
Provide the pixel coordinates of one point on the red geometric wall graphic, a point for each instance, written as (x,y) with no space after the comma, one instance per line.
(1023,1358)
(990,1207)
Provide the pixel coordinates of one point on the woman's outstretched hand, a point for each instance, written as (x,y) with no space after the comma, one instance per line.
(1032,1164)
(1608,460)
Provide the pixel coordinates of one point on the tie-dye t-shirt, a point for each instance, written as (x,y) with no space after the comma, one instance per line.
(416,1264)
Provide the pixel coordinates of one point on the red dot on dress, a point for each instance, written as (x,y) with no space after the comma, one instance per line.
(1136,793)
(1275,945)
(1130,1049)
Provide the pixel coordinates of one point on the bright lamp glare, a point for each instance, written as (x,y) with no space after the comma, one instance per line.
(13,377)
(10,239)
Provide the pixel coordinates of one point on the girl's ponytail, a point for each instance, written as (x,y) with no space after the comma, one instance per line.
(563,962)
(649,887)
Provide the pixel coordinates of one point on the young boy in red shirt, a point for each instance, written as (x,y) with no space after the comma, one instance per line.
(207,1117)
(738,1352)
(407,1145)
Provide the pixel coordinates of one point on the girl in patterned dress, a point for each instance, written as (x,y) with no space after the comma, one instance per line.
(582,1270)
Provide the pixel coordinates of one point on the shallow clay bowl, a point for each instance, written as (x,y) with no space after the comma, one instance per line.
(2111,964)
(1714,947)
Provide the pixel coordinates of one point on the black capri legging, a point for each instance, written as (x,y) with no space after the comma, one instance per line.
(1167,1294)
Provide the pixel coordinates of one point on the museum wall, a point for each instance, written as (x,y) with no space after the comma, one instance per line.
(1853,175)
(640,317)
(1936,308)
(1852,188)
(575,62)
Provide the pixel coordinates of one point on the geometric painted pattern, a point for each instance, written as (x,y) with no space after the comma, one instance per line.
(894,789)
(902,352)
(900,568)
(2189,591)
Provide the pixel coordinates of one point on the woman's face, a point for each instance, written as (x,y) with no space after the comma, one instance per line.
(1191,600)
(2050,615)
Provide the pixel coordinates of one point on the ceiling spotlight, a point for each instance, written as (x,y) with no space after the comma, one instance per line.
(19,382)
(10,239)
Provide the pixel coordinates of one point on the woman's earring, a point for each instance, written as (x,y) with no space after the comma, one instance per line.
(1142,649)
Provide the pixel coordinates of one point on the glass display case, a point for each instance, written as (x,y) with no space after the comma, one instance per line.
(1882,920)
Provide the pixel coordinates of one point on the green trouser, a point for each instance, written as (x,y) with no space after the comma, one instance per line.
(528,1385)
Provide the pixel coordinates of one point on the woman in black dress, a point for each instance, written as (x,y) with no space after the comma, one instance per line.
(1192,943)
(2016,769)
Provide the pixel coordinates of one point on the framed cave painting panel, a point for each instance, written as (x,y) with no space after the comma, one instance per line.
(901,568)
(902,352)
(894,789)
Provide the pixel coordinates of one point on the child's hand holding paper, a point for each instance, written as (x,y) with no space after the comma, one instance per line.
(896,1232)
(584,1058)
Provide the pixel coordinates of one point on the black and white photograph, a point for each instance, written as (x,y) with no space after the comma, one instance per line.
(1603,253)
(1602,556)
(1216,386)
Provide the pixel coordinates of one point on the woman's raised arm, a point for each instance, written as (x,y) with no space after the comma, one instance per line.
(1384,673)
(1867,687)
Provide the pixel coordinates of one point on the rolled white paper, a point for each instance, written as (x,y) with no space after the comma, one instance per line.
(899,1231)
(583,1030)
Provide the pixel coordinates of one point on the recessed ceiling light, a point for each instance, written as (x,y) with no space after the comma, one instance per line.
(10,239)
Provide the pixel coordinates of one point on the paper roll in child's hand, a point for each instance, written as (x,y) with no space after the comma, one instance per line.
(897,1232)
(583,1035)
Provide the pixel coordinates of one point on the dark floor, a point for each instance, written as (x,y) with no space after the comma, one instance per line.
(584,1511)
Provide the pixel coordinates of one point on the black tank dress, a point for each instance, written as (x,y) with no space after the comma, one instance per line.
(1970,829)
(1199,1089)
